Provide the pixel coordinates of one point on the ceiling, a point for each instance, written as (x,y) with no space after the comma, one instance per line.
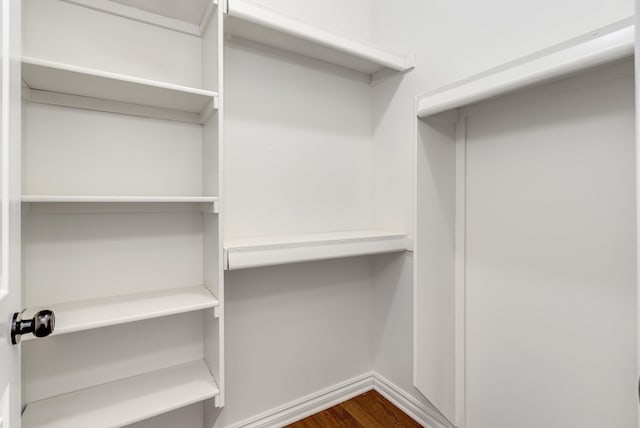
(184,10)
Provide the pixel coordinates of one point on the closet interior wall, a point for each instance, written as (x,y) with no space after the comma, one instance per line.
(82,251)
(475,41)
(298,160)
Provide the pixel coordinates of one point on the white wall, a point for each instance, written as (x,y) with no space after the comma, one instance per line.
(141,50)
(352,17)
(294,330)
(298,159)
(550,256)
(451,40)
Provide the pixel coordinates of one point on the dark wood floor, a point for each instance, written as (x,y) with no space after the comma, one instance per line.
(369,410)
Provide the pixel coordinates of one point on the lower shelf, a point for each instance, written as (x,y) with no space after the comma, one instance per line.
(89,314)
(125,401)
(241,253)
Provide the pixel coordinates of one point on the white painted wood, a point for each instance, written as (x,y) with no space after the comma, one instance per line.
(434,267)
(191,11)
(132,48)
(340,392)
(10,248)
(112,206)
(154,13)
(109,106)
(117,199)
(355,18)
(86,256)
(259,24)
(460,248)
(424,415)
(126,401)
(274,250)
(185,417)
(85,359)
(310,404)
(114,154)
(600,47)
(637,149)
(51,76)
(104,312)
(211,29)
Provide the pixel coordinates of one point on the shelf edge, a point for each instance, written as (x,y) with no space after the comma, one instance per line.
(599,47)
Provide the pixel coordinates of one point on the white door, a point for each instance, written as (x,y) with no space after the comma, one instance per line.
(9,210)
(637,80)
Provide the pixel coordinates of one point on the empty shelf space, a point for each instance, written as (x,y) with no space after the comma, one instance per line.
(104,312)
(258,24)
(126,401)
(243,253)
(118,199)
(55,83)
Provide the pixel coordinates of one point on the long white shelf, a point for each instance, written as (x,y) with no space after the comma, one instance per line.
(90,314)
(241,253)
(599,47)
(126,401)
(117,199)
(258,24)
(65,84)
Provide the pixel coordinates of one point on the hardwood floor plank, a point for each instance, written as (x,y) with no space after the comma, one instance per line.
(383,409)
(344,418)
(368,410)
(363,415)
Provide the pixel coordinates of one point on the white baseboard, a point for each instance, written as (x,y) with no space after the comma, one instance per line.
(322,400)
(425,416)
(307,406)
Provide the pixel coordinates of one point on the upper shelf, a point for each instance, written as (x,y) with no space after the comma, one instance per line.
(259,24)
(117,199)
(108,311)
(126,401)
(596,48)
(186,16)
(65,84)
(243,253)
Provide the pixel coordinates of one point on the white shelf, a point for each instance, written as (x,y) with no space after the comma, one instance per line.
(261,25)
(90,314)
(126,401)
(599,47)
(241,253)
(65,84)
(118,199)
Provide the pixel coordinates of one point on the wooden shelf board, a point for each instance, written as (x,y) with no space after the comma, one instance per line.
(89,314)
(591,50)
(261,25)
(65,79)
(275,250)
(117,199)
(126,401)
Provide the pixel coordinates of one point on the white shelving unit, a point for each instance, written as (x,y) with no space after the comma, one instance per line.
(553,63)
(121,186)
(89,314)
(126,401)
(65,84)
(256,23)
(527,116)
(241,253)
(50,76)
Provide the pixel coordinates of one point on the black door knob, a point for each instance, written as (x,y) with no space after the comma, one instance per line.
(41,325)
